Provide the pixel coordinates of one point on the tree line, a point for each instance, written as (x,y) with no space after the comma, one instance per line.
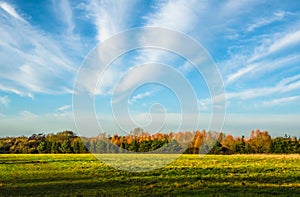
(139,141)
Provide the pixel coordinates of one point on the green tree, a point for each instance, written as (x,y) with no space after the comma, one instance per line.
(133,146)
(42,147)
(55,147)
(66,147)
(100,146)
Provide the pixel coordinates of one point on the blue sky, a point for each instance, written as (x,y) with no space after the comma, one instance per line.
(255,45)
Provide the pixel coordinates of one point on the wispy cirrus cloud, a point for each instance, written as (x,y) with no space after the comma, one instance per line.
(289,39)
(269,53)
(176,15)
(39,63)
(189,17)
(276,44)
(280,101)
(11,11)
(4,100)
(285,85)
(65,14)
(64,108)
(256,48)
(261,22)
(140,96)
(263,66)
(111,17)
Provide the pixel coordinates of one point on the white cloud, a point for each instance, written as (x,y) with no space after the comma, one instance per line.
(64,108)
(135,77)
(243,71)
(175,15)
(186,68)
(11,11)
(286,85)
(13,90)
(257,68)
(232,6)
(111,17)
(289,79)
(277,16)
(255,54)
(140,96)
(4,100)
(66,14)
(291,87)
(108,80)
(39,64)
(205,104)
(275,43)
(280,101)
(178,15)
(287,40)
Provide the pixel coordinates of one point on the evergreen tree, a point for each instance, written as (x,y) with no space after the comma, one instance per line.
(55,147)
(41,147)
(66,147)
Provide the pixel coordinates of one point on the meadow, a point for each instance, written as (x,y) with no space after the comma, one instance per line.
(189,175)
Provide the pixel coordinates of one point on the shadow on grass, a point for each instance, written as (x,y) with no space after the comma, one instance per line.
(101,180)
(21,162)
(18,161)
(144,185)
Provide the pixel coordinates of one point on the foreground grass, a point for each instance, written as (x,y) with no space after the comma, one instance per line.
(210,175)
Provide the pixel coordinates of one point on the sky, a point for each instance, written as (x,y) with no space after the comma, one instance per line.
(254,44)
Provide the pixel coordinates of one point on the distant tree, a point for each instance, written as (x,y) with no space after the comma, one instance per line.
(122,147)
(229,142)
(139,141)
(144,146)
(218,149)
(137,132)
(197,143)
(272,147)
(260,141)
(133,146)
(55,147)
(42,147)
(66,147)
(175,147)
(65,135)
(100,146)
(78,146)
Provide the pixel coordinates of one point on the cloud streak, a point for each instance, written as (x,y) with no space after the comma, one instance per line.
(257,68)
(64,108)
(280,101)
(111,17)
(4,100)
(39,62)
(11,11)
(278,16)
(285,85)
(140,96)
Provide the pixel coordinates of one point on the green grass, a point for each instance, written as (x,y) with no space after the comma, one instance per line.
(190,175)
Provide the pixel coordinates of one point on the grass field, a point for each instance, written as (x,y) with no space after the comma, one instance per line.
(190,175)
